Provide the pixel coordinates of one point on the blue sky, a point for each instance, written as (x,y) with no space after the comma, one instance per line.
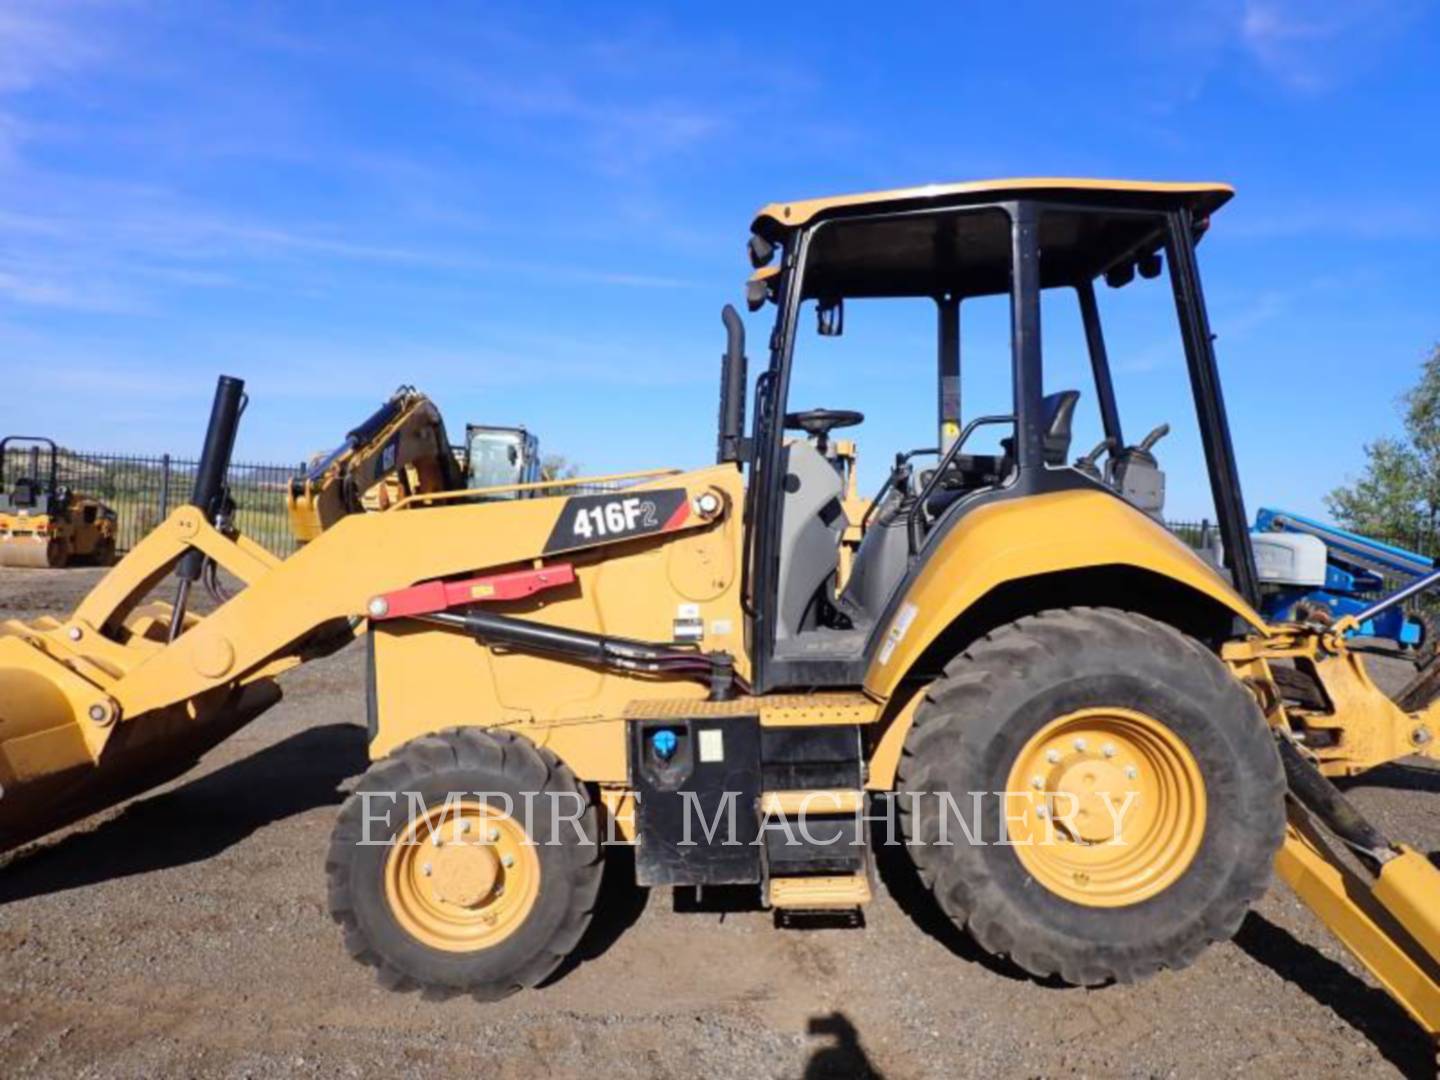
(534,212)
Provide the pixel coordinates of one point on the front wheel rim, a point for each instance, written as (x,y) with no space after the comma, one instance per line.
(463,877)
(1105,807)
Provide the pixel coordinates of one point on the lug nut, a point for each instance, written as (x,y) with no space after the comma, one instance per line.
(1042,811)
(1052,756)
(493,836)
(464,827)
(1038,783)
(1131,772)
(1080,744)
(427,870)
(508,861)
(1108,749)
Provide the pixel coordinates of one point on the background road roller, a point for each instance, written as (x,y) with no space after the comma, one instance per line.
(678,663)
(42,522)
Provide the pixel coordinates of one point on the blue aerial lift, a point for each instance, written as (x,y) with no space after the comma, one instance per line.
(1297,585)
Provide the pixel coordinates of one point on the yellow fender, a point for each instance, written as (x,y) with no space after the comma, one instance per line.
(1009,541)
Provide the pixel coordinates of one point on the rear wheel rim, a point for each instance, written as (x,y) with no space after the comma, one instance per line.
(463,877)
(1105,807)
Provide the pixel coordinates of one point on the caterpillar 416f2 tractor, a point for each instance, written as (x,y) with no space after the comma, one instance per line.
(1099,749)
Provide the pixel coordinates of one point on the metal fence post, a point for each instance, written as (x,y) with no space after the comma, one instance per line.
(164,486)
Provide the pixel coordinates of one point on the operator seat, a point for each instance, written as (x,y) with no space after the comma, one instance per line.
(1057,413)
(24,493)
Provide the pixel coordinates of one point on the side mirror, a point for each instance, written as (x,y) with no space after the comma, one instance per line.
(761,251)
(830,316)
(731,444)
(761,287)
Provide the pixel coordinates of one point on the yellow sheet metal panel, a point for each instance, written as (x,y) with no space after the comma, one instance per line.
(1203,197)
(429,678)
(1020,538)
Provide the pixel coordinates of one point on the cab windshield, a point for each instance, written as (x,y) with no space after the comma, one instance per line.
(495,459)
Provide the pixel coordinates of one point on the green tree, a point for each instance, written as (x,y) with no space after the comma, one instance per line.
(1398,495)
(558,467)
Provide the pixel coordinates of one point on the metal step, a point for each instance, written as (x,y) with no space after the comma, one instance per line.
(819,893)
(818,801)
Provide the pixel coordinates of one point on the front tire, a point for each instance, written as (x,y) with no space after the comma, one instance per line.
(1059,709)
(484,894)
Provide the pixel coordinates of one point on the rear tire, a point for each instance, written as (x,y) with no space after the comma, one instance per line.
(979,729)
(449,928)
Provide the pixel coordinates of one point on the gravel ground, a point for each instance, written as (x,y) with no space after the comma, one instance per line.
(186,933)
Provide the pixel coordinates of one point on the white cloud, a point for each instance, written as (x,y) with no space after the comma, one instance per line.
(39,40)
(1312,45)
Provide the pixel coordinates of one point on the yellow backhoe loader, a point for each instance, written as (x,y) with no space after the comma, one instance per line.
(1098,747)
(42,522)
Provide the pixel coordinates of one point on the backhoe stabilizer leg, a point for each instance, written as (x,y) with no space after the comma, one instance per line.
(1391,923)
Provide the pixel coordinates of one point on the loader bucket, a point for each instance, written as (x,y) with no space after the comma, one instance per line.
(59,763)
(142,754)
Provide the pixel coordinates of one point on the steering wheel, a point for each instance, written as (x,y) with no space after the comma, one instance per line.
(820,422)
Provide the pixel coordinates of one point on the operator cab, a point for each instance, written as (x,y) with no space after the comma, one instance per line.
(501,457)
(940,249)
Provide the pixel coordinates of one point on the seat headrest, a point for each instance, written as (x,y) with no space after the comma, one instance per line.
(1060,411)
(1059,414)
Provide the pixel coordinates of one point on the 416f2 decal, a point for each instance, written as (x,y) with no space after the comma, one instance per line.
(621,515)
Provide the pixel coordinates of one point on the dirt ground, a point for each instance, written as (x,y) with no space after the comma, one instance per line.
(185,933)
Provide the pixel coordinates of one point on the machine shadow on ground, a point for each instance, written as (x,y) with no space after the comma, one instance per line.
(198,819)
(1398,776)
(841,1055)
(619,906)
(1371,1012)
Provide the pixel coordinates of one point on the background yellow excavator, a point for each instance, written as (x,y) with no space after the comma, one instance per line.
(1011,625)
(43,523)
(402,450)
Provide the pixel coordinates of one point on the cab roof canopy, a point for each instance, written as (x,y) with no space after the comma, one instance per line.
(910,242)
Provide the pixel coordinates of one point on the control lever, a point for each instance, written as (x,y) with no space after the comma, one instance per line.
(898,481)
(1154,437)
(1090,463)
